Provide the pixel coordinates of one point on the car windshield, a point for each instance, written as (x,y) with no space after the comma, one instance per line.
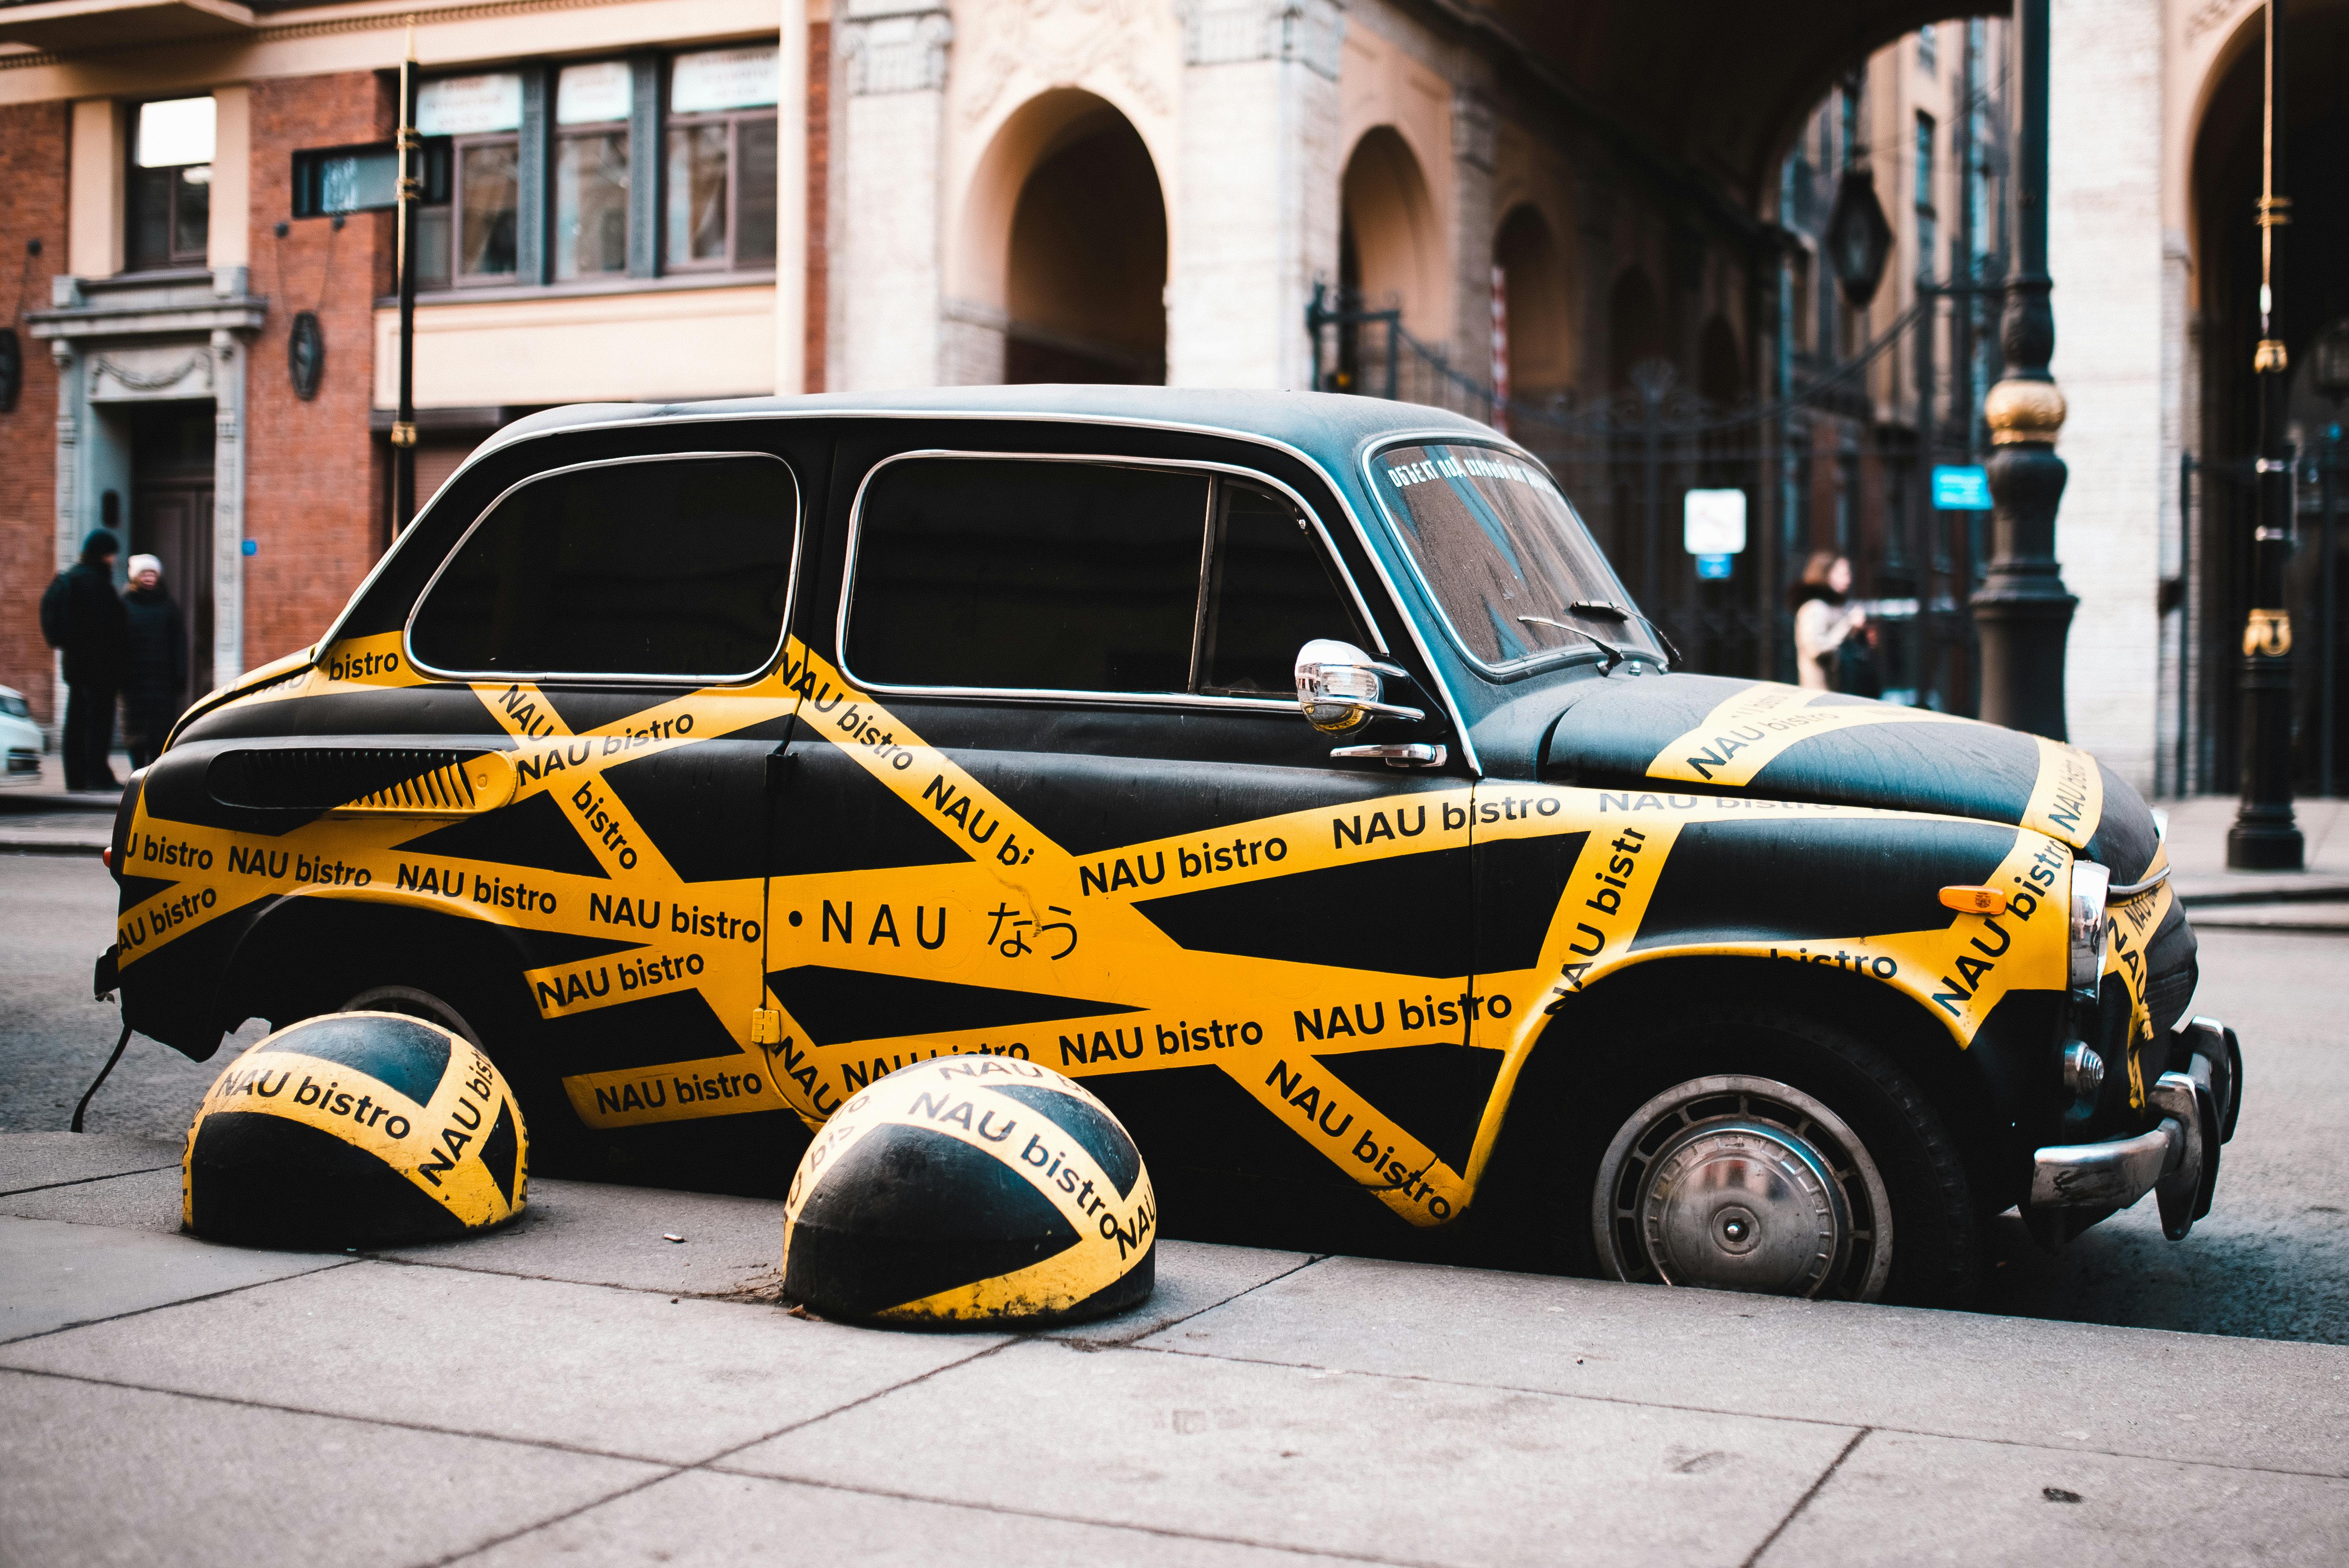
(1517,575)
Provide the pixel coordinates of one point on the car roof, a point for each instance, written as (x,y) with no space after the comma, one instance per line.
(1328,423)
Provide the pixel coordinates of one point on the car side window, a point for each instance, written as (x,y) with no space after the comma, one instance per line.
(1269,593)
(662,566)
(1030,576)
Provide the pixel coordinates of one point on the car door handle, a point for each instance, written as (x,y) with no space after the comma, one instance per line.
(1417,754)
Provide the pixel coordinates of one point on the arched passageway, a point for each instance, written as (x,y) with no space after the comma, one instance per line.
(1087,276)
(1064,232)
(1721,366)
(2313,294)
(1389,232)
(1533,275)
(1635,326)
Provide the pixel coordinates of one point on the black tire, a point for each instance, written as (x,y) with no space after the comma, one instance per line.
(1616,1069)
(442,992)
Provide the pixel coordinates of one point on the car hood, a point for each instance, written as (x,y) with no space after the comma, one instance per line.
(1705,733)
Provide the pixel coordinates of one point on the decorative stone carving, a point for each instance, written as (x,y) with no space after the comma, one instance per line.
(889,46)
(152,372)
(1222,32)
(1064,41)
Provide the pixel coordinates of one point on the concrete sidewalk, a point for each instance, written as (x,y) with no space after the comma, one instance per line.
(576,1387)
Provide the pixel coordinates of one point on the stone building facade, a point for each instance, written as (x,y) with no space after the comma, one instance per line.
(975,191)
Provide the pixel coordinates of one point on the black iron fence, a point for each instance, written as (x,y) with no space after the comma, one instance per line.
(2219,505)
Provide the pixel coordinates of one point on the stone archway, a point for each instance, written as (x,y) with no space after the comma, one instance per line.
(1064,249)
(2313,294)
(1533,271)
(1389,232)
(1635,326)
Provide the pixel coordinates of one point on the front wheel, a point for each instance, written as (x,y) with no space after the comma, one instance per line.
(1766,1150)
(1736,1182)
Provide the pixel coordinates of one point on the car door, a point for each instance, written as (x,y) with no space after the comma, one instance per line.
(621,620)
(1052,797)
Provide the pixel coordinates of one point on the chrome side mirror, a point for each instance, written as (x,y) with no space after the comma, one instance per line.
(1339,686)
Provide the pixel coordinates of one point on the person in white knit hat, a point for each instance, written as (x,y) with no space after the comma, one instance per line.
(155,673)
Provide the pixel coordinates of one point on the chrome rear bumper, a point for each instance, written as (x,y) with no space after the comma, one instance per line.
(2178,1159)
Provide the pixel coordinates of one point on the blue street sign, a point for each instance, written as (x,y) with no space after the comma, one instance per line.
(1711,567)
(1960,487)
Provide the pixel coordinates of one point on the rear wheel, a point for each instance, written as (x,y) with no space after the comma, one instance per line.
(1764,1150)
(415,1003)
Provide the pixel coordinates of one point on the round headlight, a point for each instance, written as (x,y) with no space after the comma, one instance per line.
(2090,883)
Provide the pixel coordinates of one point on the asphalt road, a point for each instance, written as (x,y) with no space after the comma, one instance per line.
(2270,1262)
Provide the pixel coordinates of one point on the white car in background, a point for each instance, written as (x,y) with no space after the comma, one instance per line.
(20,739)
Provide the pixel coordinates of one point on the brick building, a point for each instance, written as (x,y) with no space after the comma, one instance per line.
(148,155)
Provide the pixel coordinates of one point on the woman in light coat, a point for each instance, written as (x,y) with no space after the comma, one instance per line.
(1822,619)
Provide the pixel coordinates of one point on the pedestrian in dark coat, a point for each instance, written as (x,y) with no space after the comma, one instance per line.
(82,618)
(155,671)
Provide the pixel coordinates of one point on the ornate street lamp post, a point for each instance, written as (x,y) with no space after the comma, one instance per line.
(2023,611)
(2265,837)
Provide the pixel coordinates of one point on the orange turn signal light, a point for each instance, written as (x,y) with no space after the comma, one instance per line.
(1974,899)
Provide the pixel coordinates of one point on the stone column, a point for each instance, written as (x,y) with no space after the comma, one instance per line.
(1260,174)
(70,410)
(892,200)
(2105,241)
(228,353)
(1473,224)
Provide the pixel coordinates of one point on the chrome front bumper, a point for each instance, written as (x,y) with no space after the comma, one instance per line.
(2178,1159)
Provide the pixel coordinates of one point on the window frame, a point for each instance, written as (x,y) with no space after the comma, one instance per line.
(606,678)
(557,134)
(1191,699)
(173,177)
(733,121)
(458,147)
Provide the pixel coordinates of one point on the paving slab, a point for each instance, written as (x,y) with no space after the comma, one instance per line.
(594,1234)
(31,1160)
(140,1200)
(53,1274)
(751,1522)
(2074,1386)
(631,1373)
(106,1475)
(1900,1500)
(1396,1468)
(1192,1277)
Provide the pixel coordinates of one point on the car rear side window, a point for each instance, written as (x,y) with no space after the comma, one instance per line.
(1019,574)
(675,566)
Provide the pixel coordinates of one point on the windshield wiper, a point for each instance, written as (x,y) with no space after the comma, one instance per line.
(1615,656)
(1614,611)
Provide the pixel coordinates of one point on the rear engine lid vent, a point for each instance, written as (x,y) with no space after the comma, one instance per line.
(411,781)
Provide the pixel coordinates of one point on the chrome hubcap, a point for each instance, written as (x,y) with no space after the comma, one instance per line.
(1742,1205)
(1742,1183)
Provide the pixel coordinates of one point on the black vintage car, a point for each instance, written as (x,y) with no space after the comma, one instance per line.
(1291,769)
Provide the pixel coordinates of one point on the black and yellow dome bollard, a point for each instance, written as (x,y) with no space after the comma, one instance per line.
(970,1190)
(353,1129)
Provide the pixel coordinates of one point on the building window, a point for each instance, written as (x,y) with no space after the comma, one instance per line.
(1928,58)
(171,184)
(1928,230)
(474,236)
(592,105)
(720,190)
